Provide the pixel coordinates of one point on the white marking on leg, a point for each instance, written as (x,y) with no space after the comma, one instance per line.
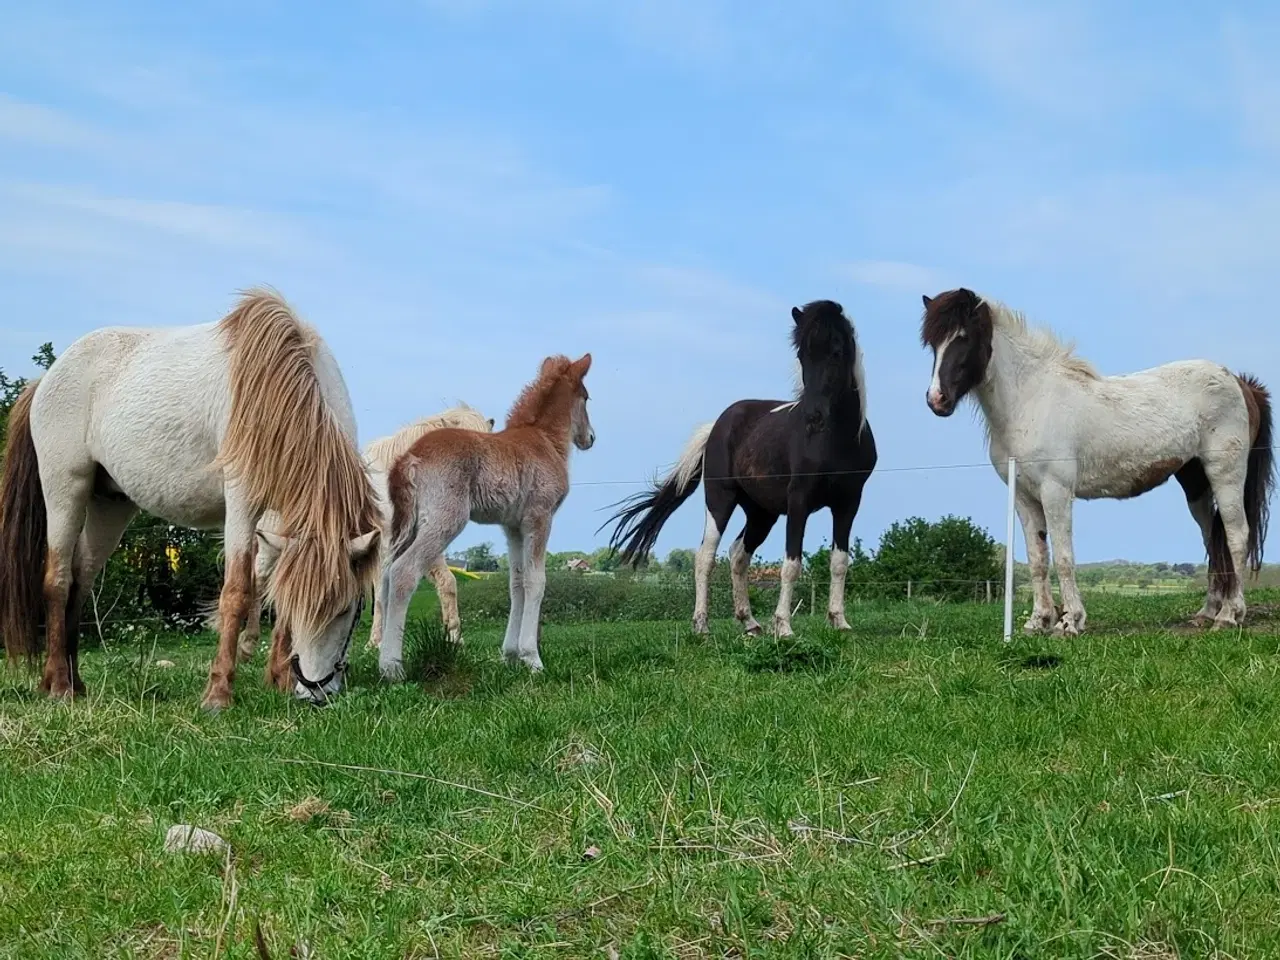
(703,563)
(835,602)
(739,563)
(782,615)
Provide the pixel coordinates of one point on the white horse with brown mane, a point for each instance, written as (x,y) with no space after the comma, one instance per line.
(1076,434)
(517,478)
(205,426)
(378,457)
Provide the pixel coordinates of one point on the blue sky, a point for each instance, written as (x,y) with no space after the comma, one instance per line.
(452,189)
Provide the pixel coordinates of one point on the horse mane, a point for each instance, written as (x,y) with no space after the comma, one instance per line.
(386,450)
(288,453)
(539,400)
(1040,341)
(832,315)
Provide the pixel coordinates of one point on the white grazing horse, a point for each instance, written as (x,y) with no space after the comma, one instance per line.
(1077,434)
(204,426)
(378,457)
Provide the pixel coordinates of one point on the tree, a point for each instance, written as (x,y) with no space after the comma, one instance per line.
(680,561)
(945,559)
(604,560)
(10,390)
(480,557)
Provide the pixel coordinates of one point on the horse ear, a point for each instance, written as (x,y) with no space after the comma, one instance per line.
(796,315)
(360,547)
(926,298)
(491,423)
(582,365)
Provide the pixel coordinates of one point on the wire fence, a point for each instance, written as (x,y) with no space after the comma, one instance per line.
(610,594)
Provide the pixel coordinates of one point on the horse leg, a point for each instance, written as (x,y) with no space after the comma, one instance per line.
(66,513)
(233,602)
(264,563)
(797,516)
(720,504)
(1228,491)
(1035,532)
(399,583)
(515,576)
(1195,484)
(105,523)
(1057,502)
(278,674)
(759,523)
(536,532)
(375,624)
(841,526)
(447,591)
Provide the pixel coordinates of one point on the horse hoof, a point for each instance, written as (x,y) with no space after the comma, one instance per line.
(753,630)
(392,671)
(215,704)
(534,665)
(838,623)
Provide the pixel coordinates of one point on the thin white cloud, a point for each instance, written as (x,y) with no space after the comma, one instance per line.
(205,224)
(33,123)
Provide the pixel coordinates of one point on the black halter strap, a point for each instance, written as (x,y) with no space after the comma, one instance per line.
(317,686)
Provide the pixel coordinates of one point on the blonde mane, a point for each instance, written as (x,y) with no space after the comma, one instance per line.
(1041,342)
(288,453)
(540,400)
(384,451)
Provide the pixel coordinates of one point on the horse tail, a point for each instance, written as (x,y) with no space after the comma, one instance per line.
(24,535)
(1261,475)
(642,516)
(402,481)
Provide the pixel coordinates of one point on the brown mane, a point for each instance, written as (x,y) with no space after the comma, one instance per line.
(540,401)
(288,453)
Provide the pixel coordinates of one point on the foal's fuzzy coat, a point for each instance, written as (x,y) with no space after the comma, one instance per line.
(516,477)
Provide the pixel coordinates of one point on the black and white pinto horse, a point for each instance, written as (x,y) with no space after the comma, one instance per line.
(772,457)
(1076,434)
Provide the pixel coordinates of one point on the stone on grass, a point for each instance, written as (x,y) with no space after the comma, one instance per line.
(184,838)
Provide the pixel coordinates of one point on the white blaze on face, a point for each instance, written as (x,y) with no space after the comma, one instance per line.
(935,395)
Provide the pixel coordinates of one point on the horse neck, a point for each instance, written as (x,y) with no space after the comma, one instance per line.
(841,405)
(1014,375)
(559,435)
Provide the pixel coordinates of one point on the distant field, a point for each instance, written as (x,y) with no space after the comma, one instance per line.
(916,789)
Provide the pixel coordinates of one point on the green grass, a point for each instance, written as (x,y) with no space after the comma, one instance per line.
(664,795)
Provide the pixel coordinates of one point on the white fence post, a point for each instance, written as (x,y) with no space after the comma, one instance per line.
(1008,552)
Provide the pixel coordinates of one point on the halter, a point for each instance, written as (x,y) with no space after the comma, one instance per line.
(340,666)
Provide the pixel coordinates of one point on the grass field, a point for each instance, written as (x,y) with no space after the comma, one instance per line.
(916,789)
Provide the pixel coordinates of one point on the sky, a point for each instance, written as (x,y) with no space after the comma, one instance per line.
(451,190)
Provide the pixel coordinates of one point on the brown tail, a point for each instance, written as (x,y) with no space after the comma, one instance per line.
(23,536)
(1259,481)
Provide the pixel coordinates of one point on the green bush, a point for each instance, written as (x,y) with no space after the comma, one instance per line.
(950,559)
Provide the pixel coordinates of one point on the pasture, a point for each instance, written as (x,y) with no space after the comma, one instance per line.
(915,789)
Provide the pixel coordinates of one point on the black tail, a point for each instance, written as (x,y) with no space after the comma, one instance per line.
(643,515)
(1261,476)
(1259,480)
(24,536)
